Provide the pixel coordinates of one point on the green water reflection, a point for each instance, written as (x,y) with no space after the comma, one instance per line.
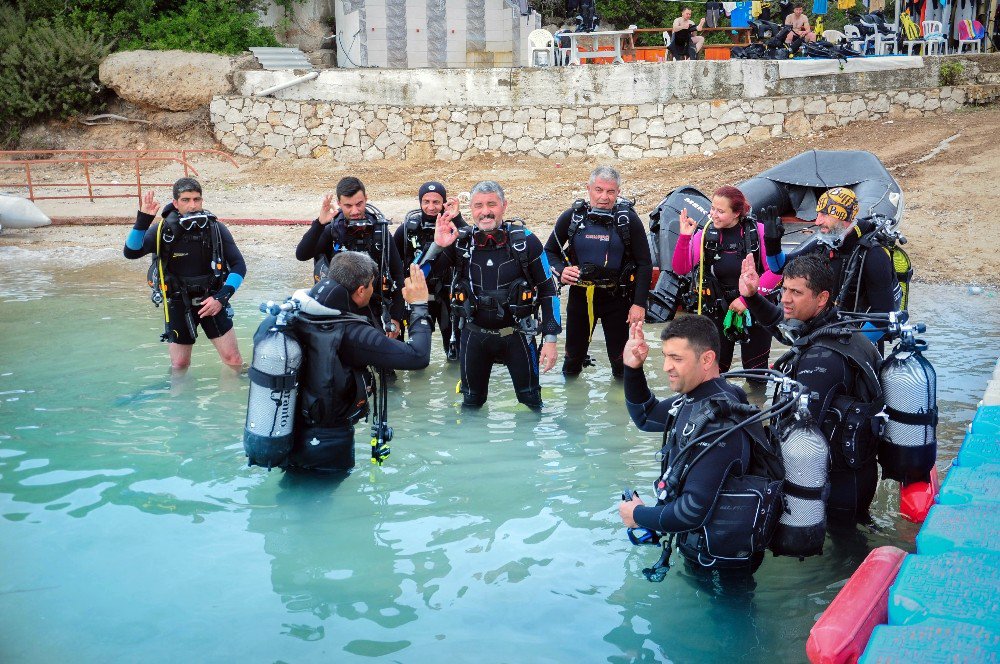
(130,523)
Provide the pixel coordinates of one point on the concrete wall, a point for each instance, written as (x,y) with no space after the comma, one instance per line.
(614,112)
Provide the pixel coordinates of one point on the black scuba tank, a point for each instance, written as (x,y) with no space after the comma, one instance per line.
(277,356)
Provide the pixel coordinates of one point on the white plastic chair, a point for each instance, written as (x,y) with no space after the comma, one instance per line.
(965,39)
(935,42)
(884,44)
(542,43)
(910,44)
(858,43)
(834,36)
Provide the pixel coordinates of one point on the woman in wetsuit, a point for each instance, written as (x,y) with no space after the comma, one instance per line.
(714,257)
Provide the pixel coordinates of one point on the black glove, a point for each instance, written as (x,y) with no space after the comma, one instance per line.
(222,297)
(773,230)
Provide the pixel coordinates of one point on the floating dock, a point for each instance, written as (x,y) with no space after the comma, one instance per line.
(944,605)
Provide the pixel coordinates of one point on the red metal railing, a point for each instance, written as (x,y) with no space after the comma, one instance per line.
(26,160)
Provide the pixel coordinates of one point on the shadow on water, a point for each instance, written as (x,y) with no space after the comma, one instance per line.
(124,490)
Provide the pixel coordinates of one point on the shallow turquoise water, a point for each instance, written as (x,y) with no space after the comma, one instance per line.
(132,528)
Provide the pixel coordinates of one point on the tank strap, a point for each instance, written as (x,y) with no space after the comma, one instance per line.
(279,383)
(928,418)
(805,492)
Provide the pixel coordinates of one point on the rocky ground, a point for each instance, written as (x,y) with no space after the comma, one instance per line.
(947,166)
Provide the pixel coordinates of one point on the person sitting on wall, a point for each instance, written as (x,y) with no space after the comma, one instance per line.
(685,44)
(799,23)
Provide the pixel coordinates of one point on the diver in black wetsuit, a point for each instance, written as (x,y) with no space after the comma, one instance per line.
(501,281)
(414,237)
(196,269)
(599,250)
(872,287)
(350,224)
(336,351)
(838,372)
(686,495)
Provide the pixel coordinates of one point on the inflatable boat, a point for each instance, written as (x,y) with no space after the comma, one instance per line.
(792,187)
(17,212)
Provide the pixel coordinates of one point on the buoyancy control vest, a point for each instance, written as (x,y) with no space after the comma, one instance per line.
(708,295)
(418,233)
(515,296)
(852,270)
(749,502)
(195,239)
(605,260)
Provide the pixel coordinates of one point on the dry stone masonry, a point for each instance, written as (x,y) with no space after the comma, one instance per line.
(266,127)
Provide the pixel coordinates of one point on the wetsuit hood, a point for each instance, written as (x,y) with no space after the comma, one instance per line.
(327,298)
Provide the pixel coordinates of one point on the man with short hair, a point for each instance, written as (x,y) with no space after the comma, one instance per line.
(693,472)
(598,249)
(414,237)
(346,222)
(196,269)
(337,348)
(686,44)
(838,366)
(799,23)
(502,283)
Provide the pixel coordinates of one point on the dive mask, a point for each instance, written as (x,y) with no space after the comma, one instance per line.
(490,239)
(791,329)
(195,220)
(603,217)
(359,228)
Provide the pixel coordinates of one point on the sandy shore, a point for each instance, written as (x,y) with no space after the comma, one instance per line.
(948,187)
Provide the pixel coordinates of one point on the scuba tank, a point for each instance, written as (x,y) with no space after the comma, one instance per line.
(802,527)
(909,384)
(277,356)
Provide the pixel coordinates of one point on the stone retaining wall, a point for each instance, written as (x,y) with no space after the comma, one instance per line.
(266,127)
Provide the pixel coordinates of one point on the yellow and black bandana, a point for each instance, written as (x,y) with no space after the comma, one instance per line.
(839,202)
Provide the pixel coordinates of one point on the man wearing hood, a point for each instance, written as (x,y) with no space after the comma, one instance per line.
(414,237)
(337,348)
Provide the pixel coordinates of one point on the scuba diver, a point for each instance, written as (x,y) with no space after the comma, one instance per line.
(328,387)
(501,281)
(599,250)
(414,236)
(713,257)
(839,367)
(695,473)
(196,269)
(351,224)
(865,281)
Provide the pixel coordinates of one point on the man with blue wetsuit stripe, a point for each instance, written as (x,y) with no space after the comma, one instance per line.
(197,269)
(501,282)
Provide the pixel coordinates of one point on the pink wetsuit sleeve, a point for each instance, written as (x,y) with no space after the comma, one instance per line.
(686,253)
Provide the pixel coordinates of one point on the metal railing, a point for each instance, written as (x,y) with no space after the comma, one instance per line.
(31,161)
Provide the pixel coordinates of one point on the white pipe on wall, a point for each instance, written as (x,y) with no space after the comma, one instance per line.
(281,86)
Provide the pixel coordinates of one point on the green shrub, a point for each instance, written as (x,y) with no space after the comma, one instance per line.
(48,68)
(951,72)
(217,26)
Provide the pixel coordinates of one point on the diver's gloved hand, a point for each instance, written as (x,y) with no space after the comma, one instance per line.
(222,297)
(774,230)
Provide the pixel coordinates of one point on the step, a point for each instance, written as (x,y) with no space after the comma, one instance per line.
(958,585)
(977,449)
(978,484)
(973,527)
(930,642)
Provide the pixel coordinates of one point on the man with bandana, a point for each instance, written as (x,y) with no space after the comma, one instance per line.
(867,284)
(502,283)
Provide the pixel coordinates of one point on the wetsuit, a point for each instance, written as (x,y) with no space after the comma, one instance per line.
(412,239)
(827,375)
(690,507)
(336,354)
(332,238)
(879,288)
(188,272)
(618,277)
(724,266)
(489,273)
